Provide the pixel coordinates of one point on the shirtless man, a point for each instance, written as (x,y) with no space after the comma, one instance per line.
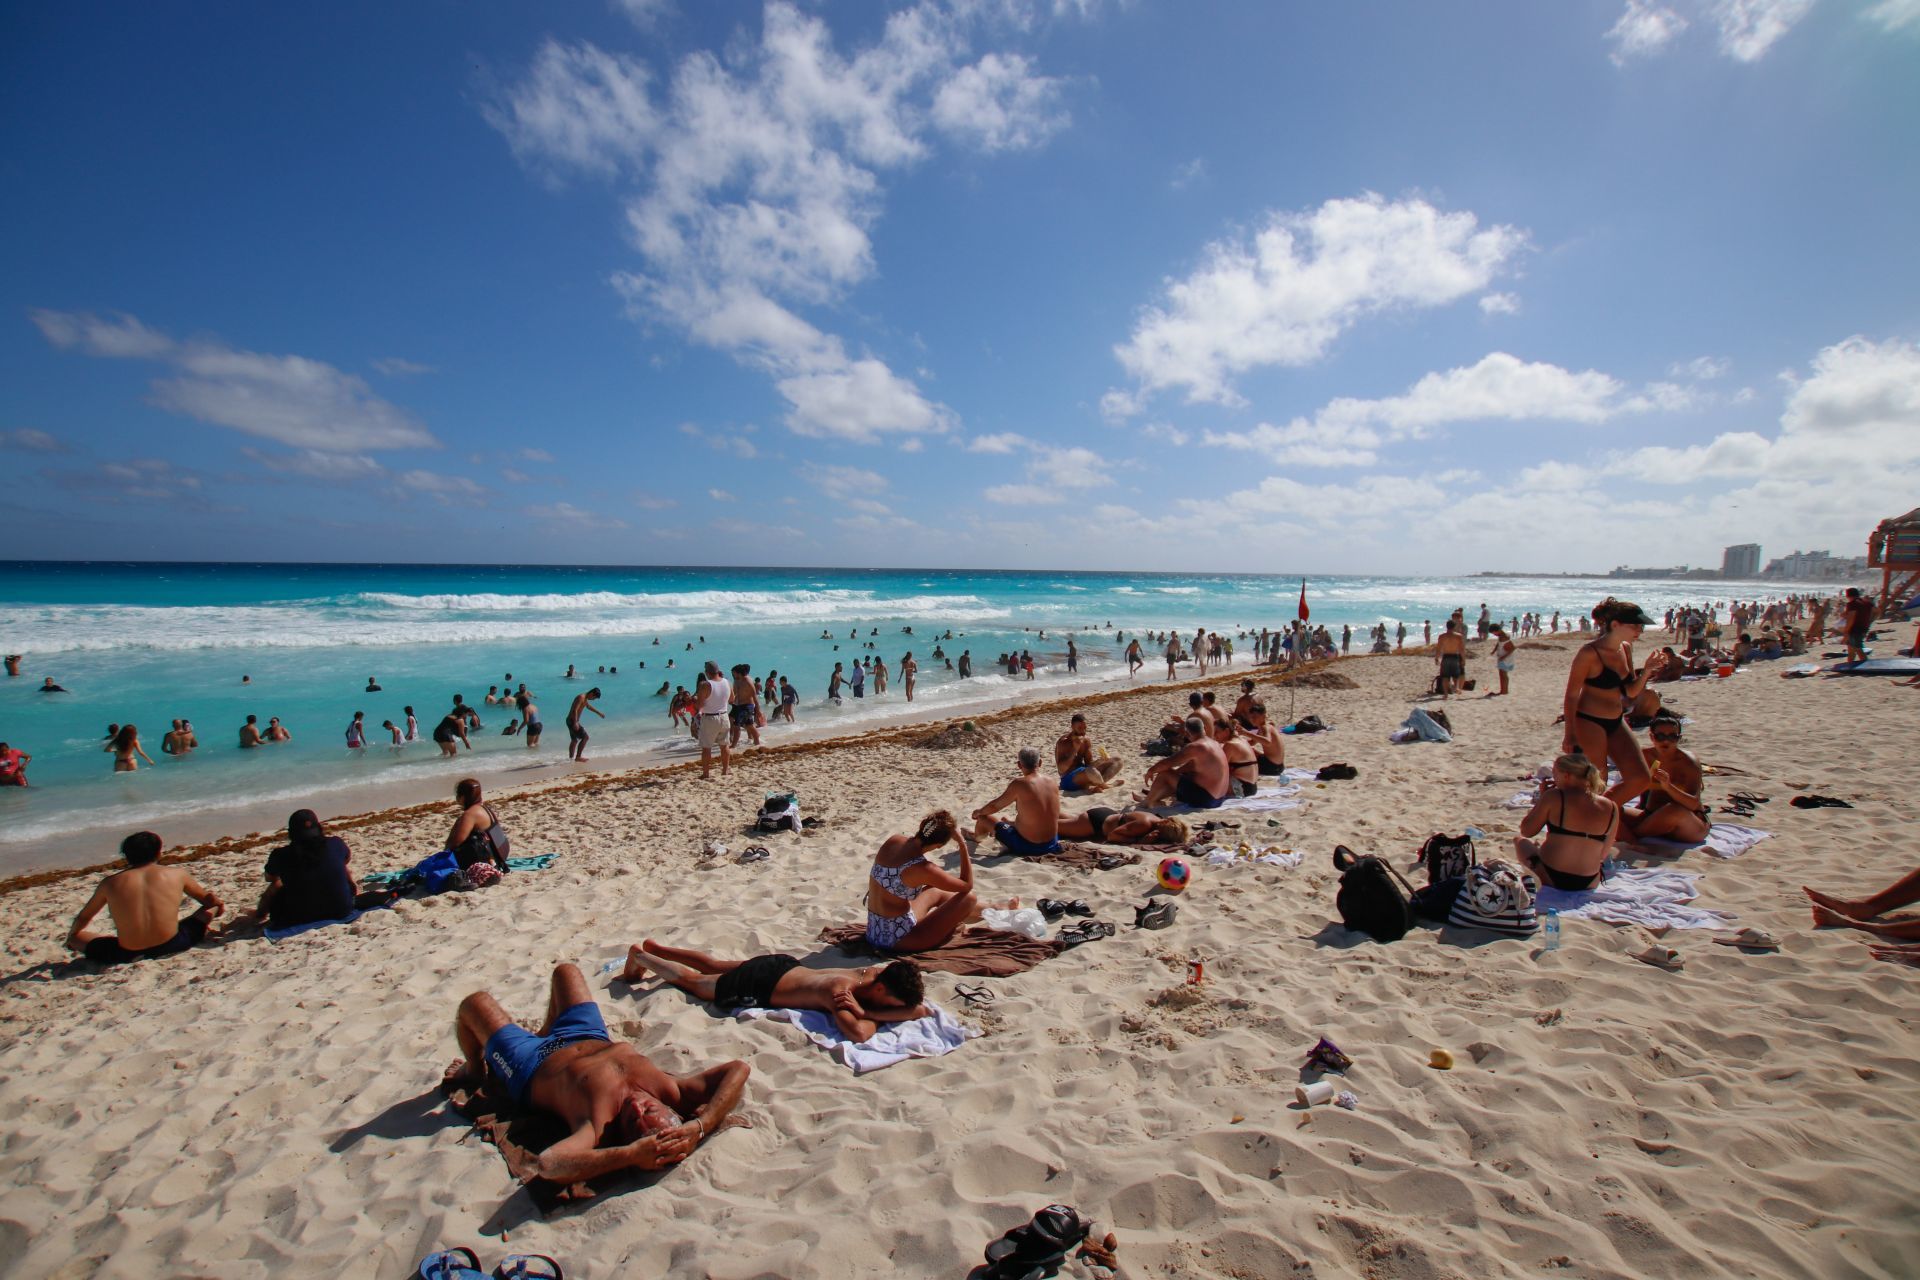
(1269,748)
(622,1111)
(1175,729)
(1035,828)
(1243,765)
(1670,806)
(1135,659)
(250,732)
(1859,620)
(1451,653)
(1196,775)
(1073,756)
(576,731)
(1244,701)
(144,901)
(743,707)
(1173,654)
(861,1001)
(176,742)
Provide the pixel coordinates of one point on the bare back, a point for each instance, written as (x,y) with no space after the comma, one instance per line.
(145,904)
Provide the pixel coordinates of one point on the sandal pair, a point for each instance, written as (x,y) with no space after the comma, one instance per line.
(461,1263)
(1053,908)
(1037,1248)
(1086,931)
(1155,915)
(754,853)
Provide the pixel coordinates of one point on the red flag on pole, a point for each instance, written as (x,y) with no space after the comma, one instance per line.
(1303,599)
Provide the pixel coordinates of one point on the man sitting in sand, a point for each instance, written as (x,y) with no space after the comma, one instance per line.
(1243,766)
(1269,748)
(1073,755)
(144,901)
(1035,828)
(860,1000)
(624,1112)
(1196,775)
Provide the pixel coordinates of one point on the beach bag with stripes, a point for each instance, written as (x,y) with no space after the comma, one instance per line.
(1496,896)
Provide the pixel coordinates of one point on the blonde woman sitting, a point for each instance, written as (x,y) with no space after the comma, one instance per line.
(1580,826)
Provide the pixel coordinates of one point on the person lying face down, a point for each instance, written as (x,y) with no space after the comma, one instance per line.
(860,1000)
(622,1111)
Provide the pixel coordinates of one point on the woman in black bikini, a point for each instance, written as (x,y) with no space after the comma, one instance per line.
(1580,827)
(1600,687)
(1110,826)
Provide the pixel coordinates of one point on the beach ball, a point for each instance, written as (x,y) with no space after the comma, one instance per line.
(1174,874)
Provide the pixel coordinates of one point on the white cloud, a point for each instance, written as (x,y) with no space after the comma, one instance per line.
(759,179)
(536,455)
(1024,495)
(999,104)
(761,533)
(1748,28)
(1700,369)
(1166,431)
(644,501)
(1644,29)
(1667,397)
(513,475)
(734,443)
(395,367)
(442,486)
(1500,387)
(1002,442)
(644,13)
(913,444)
(1895,15)
(1286,295)
(566,514)
(1189,173)
(315,465)
(720,495)
(30,440)
(1499,304)
(291,400)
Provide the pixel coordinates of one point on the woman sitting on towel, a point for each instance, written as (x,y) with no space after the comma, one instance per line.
(913,905)
(1580,824)
(308,880)
(1110,826)
(1601,687)
(1670,809)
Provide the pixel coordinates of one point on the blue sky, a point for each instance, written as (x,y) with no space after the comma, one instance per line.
(971,283)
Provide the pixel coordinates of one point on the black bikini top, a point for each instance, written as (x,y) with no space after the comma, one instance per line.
(1568,831)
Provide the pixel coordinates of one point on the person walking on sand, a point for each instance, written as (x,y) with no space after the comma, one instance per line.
(1451,655)
(144,903)
(710,719)
(125,746)
(576,731)
(1858,620)
(909,673)
(1503,648)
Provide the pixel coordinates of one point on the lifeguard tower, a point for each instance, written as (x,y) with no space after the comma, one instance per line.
(1894,549)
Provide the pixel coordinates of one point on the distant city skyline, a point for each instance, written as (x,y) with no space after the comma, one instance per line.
(957,284)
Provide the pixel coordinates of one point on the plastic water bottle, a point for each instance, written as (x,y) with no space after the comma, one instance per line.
(1475,833)
(1552,930)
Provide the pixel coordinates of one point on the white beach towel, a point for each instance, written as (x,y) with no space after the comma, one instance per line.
(1518,800)
(1724,840)
(927,1037)
(1277,801)
(1651,896)
(1291,774)
(1217,856)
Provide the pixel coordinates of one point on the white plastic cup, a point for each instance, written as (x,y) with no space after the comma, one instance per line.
(1315,1094)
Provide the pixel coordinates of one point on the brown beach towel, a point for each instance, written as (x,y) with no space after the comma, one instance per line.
(977,953)
(1084,856)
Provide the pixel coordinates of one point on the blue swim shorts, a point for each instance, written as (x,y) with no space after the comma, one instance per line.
(514,1053)
(1013,842)
(1070,781)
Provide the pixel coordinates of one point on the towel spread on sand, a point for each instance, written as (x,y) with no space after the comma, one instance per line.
(295,929)
(1724,840)
(402,877)
(977,953)
(1083,855)
(927,1037)
(1518,800)
(1218,856)
(1287,797)
(1651,896)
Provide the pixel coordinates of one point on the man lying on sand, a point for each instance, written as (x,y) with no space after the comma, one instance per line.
(1035,796)
(144,901)
(860,1000)
(624,1112)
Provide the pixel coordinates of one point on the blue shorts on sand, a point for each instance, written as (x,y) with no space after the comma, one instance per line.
(1013,842)
(514,1053)
(1070,781)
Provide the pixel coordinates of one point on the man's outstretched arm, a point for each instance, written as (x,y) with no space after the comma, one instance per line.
(575,1158)
(712,1094)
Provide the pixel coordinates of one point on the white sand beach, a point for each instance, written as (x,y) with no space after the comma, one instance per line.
(261,1109)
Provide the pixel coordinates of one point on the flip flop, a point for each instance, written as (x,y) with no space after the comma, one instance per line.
(974,996)
(1818,802)
(1662,958)
(446,1265)
(1037,1247)
(1086,931)
(1108,861)
(1155,915)
(515,1267)
(1051,908)
(1751,940)
(1749,798)
(755,853)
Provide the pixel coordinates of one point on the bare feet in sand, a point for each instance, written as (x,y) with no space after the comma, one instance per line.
(1827,918)
(1854,910)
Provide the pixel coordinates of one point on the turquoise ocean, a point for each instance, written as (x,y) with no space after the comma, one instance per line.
(150,643)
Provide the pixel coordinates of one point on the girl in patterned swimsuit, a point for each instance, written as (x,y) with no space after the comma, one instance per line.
(913,905)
